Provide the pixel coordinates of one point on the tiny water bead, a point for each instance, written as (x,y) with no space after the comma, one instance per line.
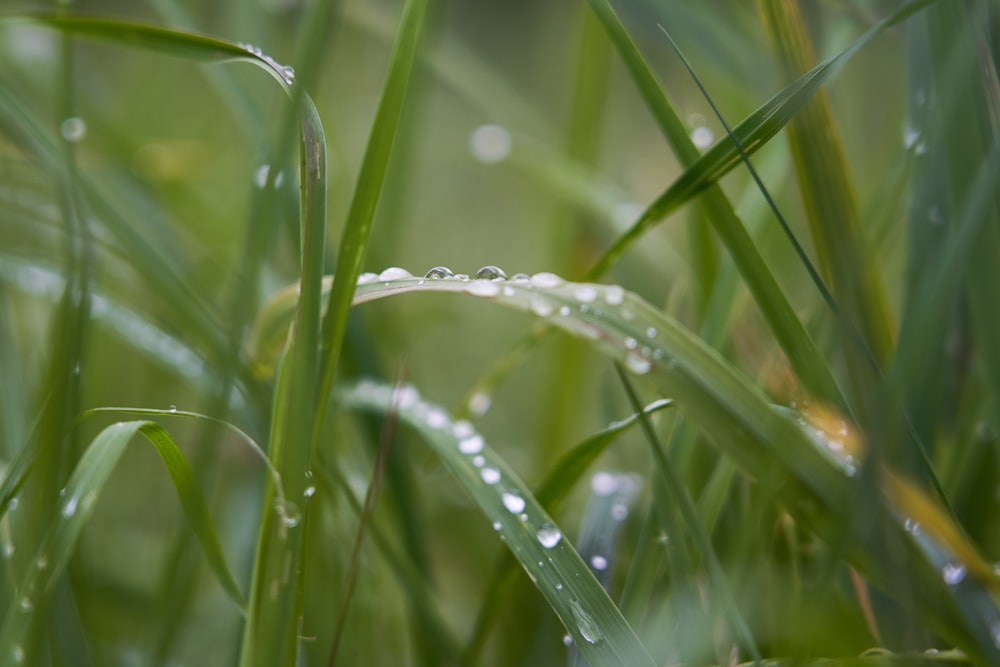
(479,461)
(585,293)
(73,129)
(462,429)
(260,177)
(548,535)
(479,403)
(490,144)
(69,509)
(614,295)
(490,475)
(172,408)
(520,278)
(26,604)
(953,573)
(541,307)
(471,445)
(513,502)
(599,563)
(437,419)
(603,483)
(702,137)
(309,492)
(497,526)
(394,273)
(490,272)
(439,272)
(17,654)
(637,363)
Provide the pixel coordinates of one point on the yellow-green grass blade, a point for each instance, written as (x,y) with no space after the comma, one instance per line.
(829,198)
(558,572)
(77,501)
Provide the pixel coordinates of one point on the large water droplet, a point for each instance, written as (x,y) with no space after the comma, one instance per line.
(73,129)
(471,445)
(585,624)
(585,293)
(490,143)
(172,408)
(513,502)
(367,277)
(953,573)
(548,535)
(490,475)
(490,272)
(69,509)
(546,279)
(603,483)
(483,288)
(637,363)
(439,272)
(394,273)
(462,429)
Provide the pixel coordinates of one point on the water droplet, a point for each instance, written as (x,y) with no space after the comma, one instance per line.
(69,509)
(520,278)
(309,492)
(260,177)
(585,624)
(509,291)
(497,526)
(702,137)
(406,396)
(651,332)
(26,604)
(490,272)
(17,653)
(462,429)
(439,272)
(172,408)
(567,640)
(585,293)
(559,587)
(479,403)
(12,505)
(471,445)
(437,418)
(614,295)
(548,535)
(619,511)
(513,502)
(73,129)
(637,363)
(599,563)
(394,273)
(479,461)
(41,562)
(631,343)
(564,311)
(546,280)
(8,550)
(603,483)
(953,573)
(490,475)
(288,74)
(367,277)
(289,513)
(541,307)
(490,143)
(483,288)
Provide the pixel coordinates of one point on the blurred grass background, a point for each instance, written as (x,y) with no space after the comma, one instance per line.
(174,151)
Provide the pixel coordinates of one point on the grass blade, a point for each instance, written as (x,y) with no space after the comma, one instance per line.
(591,618)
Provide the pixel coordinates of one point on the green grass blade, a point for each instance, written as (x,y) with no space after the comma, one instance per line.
(554,566)
(78,498)
(361,215)
(753,133)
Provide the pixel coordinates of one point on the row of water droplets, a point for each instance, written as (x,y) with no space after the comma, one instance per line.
(472,447)
(286,72)
(640,350)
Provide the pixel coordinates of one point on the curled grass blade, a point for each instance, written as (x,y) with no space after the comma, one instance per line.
(558,572)
(78,498)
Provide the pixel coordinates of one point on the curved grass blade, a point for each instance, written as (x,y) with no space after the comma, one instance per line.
(78,498)
(591,618)
(753,132)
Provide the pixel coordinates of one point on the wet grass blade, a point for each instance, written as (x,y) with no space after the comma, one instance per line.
(558,572)
(77,501)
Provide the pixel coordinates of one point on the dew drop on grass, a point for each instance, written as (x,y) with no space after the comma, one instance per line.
(9,549)
(491,272)
(567,640)
(41,562)
(548,535)
(310,491)
(619,511)
(367,277)
(471,445)
(599,563)
(637,363)
(17,653)
(564,311)
(541,307)
(479,287)
(953,573)
(651,332)
(545,280)
(520,278)
(702,137)
(478,461)
(603,483)
(631,343)
(69,509)
(394,273)
(497,526)
(73,129)
(406,397)
(260,177)
(439,272)
(490,475)
(479,403)
(490,144)
(462,429)
(585,293)
(513,502)
(585,624)
(911,526)
(437,419)
(172,408)
(614,295)
(26,604)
